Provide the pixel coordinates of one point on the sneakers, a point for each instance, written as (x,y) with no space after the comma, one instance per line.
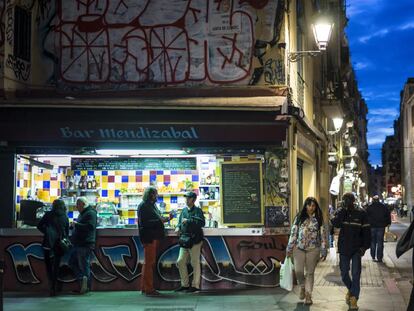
(84,285)
(302,293)
(308,299)
(348,297)
(193,290)
(353,303)
(182,289)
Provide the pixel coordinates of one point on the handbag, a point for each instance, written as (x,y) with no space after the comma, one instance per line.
(185,241)
(286,274)
(63,245)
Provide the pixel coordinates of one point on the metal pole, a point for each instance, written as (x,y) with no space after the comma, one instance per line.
(1,283)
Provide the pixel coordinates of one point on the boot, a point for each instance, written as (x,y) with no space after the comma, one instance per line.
(347,297)
(302,293)
(353,303)
(308,299)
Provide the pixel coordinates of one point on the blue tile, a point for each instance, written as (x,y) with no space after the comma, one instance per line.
(194,178)
(46,184)
(153,178)
(173,199)
(62,185)
(76,173)
(124,178)
(131,221)
(70,214)
(104,193)
(160,172)
(160,199)
(174,172)
(138,173)
(18,199)
(91,173)
(104,173)
(26,167)
(18,183)
(117,193)
(167,183)
(188,172)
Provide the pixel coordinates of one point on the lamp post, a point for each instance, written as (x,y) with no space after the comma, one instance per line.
(322,30)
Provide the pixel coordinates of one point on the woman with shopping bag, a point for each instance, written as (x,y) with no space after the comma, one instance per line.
(307,244)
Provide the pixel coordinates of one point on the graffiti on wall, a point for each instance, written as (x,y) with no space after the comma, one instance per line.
(163,42)
(220,262)
(9,22)
(20,68)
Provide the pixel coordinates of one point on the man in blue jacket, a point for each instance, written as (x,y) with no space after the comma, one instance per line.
(83,239)
(354,239)
(190,228)
(379,217)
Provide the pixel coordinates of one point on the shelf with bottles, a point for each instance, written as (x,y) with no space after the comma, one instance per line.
(83,190)
(159,193)
(209,193)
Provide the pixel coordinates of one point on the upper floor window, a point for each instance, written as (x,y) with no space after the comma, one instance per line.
(22,33)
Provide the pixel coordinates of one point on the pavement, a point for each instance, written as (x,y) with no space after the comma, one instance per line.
(385,287)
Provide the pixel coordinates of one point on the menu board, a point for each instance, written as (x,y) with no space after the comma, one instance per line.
(112,164)
(241,193)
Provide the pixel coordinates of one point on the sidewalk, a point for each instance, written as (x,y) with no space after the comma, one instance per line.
(384,288)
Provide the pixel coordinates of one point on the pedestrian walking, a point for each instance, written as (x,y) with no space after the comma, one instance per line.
(308,244)
(83,239)
(354,239)
(54,225)
(151,231)
(190,229)
(379,217)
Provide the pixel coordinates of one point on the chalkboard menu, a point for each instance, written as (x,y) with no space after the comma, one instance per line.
(241,193)
(104,164)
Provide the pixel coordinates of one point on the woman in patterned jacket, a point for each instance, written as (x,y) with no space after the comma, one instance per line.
(308,245)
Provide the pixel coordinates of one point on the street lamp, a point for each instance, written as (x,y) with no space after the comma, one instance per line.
(337,123)
(322,30)
(352,150)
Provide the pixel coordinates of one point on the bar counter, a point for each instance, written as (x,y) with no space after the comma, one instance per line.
(231,258)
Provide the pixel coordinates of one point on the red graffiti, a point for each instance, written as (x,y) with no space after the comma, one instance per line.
(257,4)
(151,42)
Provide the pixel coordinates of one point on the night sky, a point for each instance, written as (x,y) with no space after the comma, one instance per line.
(381,38)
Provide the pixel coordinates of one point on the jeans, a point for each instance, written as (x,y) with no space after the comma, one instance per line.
(52,263)
(377,243)
(353,284)
(80,263)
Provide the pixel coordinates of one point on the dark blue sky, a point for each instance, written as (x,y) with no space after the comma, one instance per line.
(381,38)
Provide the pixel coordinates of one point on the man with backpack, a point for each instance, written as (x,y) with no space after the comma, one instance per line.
(190,229)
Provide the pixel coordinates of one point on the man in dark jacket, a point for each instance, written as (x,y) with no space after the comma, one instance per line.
(83,239)
(354,239)
(190,228)
(151,230)
(379,217)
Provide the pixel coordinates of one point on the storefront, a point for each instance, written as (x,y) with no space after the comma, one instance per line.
(236,160)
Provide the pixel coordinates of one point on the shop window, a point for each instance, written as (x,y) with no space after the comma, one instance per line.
(22,33)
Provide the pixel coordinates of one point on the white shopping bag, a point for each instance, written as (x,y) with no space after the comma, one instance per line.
(286,274)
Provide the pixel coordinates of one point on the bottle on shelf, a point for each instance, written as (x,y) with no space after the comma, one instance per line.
(94,183)
(89,183)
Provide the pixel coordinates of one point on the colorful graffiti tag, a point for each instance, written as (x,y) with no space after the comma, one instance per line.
(116,264)
(163,42)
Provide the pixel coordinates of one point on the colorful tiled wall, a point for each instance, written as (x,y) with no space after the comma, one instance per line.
(47,183)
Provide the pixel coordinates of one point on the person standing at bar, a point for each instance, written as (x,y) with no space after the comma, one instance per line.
(83,239)
(190,228)
(54,225)
(151,231)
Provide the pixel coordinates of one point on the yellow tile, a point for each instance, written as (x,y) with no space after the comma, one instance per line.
(160,178)
(84,173)
(131,178)
(46,176)
(104,185)
(104,179)
(38,177)
(119,185)
(119,173)
(145,178)
(54,184)
(111,194)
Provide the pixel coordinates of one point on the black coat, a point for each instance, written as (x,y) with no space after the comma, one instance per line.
(194,226)
(355,233)
(379,215)
(54,225)
(84,233)
(150,224)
